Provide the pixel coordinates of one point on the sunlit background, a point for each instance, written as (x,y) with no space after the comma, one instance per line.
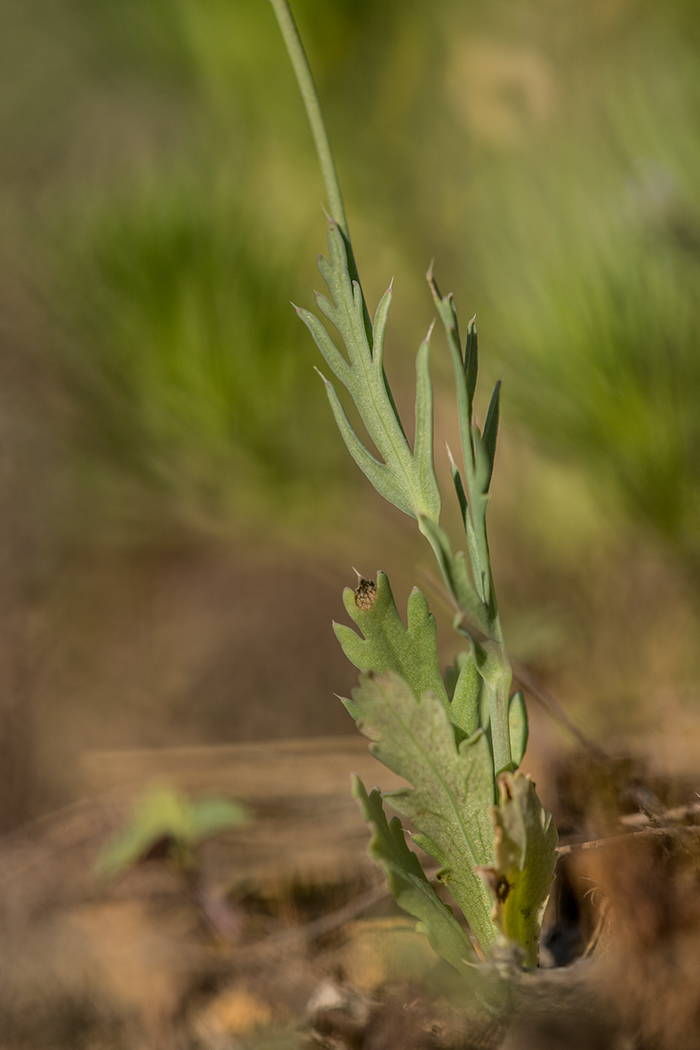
(178,514)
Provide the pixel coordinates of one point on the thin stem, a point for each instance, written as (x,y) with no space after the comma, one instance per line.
(305,80)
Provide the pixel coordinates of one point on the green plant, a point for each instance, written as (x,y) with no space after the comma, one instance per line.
(169,822)
(460,741)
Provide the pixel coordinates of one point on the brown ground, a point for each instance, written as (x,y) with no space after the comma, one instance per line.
(286,933)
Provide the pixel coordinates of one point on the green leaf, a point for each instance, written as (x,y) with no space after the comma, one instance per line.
(521,878)
(459,488)
(423,444)
(452,786)
(378,474)
(465,382)
(464,709)
(490,433)
(389,646)
(379,329)
(518,726)
(492,664)
(163,813)
(406,479)
(408,883)
(332,356)
(211,815)
(471,360)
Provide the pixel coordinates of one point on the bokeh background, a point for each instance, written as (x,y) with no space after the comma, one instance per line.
(178,516)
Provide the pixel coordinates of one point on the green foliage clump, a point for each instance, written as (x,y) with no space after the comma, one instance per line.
(195,373)
(474,813)
(165,817)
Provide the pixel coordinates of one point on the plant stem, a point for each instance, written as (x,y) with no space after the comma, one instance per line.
(305,80)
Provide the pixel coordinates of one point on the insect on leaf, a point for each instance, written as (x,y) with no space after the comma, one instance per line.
(387,644)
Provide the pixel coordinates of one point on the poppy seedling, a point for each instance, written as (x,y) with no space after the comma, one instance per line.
(457,741)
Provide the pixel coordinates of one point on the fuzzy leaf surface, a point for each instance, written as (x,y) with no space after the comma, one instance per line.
(408,883)
(389,646)
(405,478)
(465,683)
(452,786)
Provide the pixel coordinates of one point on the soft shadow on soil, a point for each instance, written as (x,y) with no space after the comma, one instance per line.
(196,646)
(286,936)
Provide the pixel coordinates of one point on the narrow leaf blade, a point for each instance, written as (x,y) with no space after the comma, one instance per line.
(377,473)
(471,362)
(379,329)
(490,434)
(423,446)
(331,354)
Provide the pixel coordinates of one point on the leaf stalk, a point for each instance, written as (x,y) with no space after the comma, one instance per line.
(307,87)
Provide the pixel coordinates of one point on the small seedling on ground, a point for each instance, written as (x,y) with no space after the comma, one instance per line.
(166,823)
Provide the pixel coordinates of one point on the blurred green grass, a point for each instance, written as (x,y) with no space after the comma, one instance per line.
(546,156)
(159,198)
(194,371)
(592,278)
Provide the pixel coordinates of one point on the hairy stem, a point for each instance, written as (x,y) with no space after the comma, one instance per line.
(305,80)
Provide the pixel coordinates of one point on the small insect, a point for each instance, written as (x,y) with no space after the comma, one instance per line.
(365,592)
(503,888)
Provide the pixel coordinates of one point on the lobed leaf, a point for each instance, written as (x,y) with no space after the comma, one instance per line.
(411,652)
(406,479)
(408,883)
(452,786)
(490,433)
